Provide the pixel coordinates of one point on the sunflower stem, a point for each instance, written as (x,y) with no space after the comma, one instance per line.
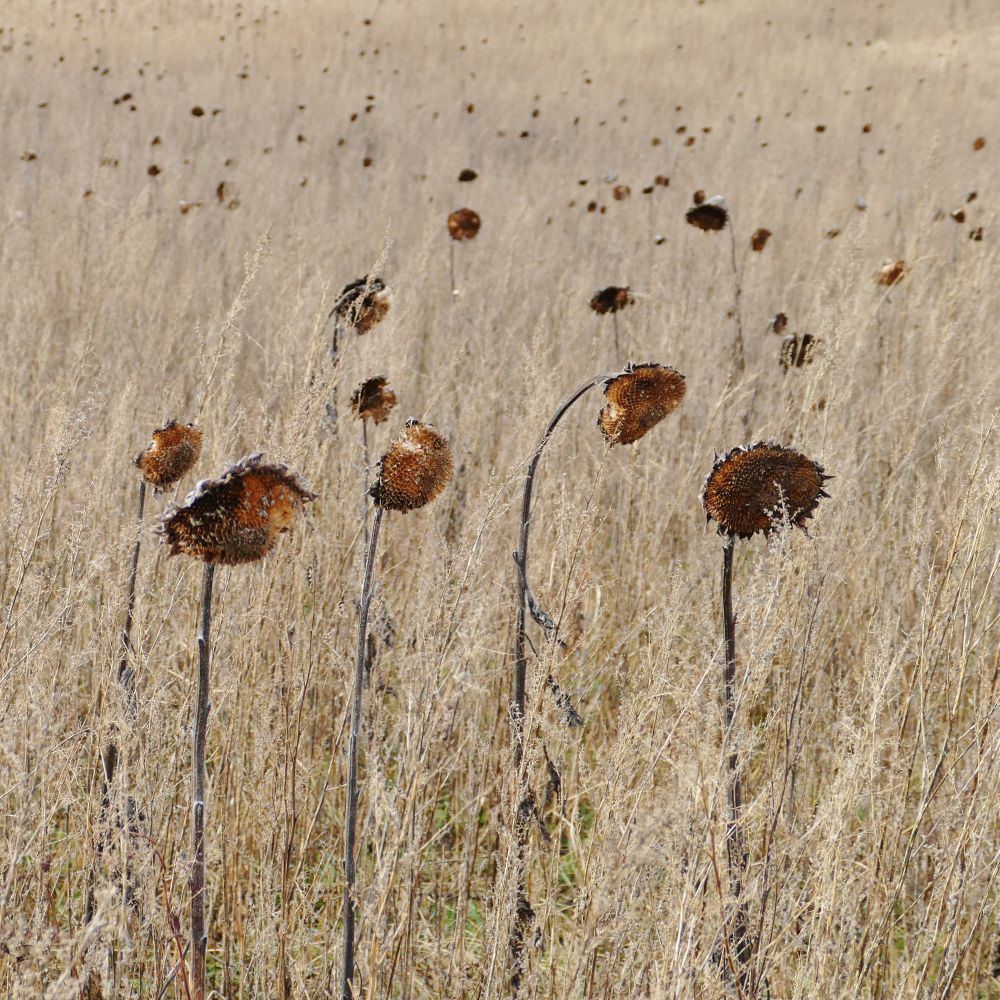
(736,856)
(740,352)
(350,825)
(523,811)
(199,932)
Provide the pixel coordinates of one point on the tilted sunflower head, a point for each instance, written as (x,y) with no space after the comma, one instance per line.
(756,488)
(170,454)
(708,216)
(463,224)
(363,303)
(638,400)
(238,517)
(373,399)
(611,299)
(414,470)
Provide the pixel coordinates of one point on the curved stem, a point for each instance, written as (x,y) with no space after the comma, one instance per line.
(523,912)
(199,932)
(350,826)
(736,857)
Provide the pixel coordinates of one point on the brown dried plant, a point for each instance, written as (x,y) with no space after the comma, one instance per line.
(463,224)
(413,472)
(612,300)
(752,489)
(637,400)
(373,400)
(236,518)
(170,454)
(892,273)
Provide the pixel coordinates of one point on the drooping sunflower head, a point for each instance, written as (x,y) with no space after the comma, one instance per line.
(708,216)
(611,299)
(373,399)
(170,454)
(463,224)
(638,399)
(237,517)
(756,488)
(415,469)
(363,303)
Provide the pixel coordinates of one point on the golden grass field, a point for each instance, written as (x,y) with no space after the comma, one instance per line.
(867,725)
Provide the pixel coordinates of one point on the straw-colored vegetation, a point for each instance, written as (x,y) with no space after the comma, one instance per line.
(186,189)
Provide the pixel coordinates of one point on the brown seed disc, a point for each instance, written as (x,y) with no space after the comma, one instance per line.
(709,216)
(753,488)
(611,299)
(238,517)
(170,454)
(463,224)
(637,400)
(373,399)
(414,470)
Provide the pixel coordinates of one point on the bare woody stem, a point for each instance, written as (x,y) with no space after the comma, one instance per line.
(199,932)
(740,353)
(736,856)
(350,825)
(522,817)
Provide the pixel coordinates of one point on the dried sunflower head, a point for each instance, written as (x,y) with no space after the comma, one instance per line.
(759,239)
(611,299)
(463,224)
(373,399)
(637,400)
(170,454)
(414,470)
(363,304)
(709,216)
(755,487)
(236,518)
(892,273)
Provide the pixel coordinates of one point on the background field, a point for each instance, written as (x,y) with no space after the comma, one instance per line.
(868,720)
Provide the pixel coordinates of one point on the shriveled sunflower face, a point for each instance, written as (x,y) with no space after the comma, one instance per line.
(414,470)
(611,299)
(755,488)
(708,216)
(171,454)
(637,400)
(463,224)
(373,399)
(238,517)
(363,304)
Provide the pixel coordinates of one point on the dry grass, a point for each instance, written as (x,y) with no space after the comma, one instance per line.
(868,660)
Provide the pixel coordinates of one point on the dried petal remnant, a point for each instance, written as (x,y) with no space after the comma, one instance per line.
(463,224)
(753,488)
(637,400)
(414,470)
(171,453)
(373,399)
(363,304)
(709,216)
(611,299)
(236,518)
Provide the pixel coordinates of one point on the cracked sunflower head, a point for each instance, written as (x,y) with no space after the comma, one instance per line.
(611,299)
(363,304)
(373,399)
(756,488)
(414,470)
(463,224)
(170,454)
(637,400)
(238,517)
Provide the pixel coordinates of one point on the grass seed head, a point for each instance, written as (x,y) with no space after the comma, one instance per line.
(709,216)
(373,399)
(753,487)
(463,224)
(414,470)
(363,303)
(637,400)
(170,454)
(611,299)
(238,517)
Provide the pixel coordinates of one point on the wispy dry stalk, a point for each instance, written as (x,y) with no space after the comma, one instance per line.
(412,473)
(637,399)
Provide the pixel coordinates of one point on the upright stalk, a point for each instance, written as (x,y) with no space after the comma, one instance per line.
(736,856)
(199,934)
(741,361)
(451,269)
(350,827)
(523,911)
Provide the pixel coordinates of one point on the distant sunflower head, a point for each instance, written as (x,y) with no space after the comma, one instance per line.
(170,454)
(611,299)
(414,470)
(238,517)
(754,488)
(463,224)
(892,273)
(708,216)
(363,304)
(638,400)
(373,399)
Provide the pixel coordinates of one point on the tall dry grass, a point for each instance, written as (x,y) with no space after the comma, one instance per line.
(867,678)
